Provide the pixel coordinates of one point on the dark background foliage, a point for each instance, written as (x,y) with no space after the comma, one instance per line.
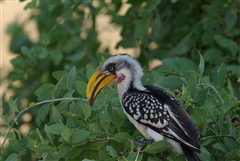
(197,42)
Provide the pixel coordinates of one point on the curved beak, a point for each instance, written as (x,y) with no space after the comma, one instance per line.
(97,81)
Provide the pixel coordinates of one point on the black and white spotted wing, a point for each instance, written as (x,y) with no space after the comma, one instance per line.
(157,112)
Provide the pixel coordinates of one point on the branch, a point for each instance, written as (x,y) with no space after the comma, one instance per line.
(33,105)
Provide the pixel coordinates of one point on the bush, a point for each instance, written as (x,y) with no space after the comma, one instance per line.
(175,32)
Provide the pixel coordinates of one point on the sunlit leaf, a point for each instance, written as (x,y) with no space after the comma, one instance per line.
(201,65)
(16,145)
(57,117)
(62,150)
(80,136)
(111,151)
(42,113)
(67,134)
(39,148)
(122,137)
(12,105)
(81,88)
(56,128)
(157,147)
(71,78)
(12,157)
(200,116)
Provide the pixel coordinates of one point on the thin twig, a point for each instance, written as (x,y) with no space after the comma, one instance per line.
(217,136)
(211,86)
(138,152)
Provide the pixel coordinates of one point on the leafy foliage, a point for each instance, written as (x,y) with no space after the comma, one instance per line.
(65,127)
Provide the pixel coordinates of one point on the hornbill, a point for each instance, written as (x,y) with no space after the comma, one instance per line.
(152,110)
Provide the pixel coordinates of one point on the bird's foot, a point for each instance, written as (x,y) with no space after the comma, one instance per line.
(143,142)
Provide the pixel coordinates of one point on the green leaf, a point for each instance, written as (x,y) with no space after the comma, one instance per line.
(169,65)
(62,150)
(94,127)
(57,117)
(233,155)
(201,65)
(80,136)
(238,140)
(56,56)
(227,43)
(5,119)
(90,71)
(96,145)
(12,105)
(157,147)
(56,128)
(17,133)
(81,88)
(43,54)
(227,106)
(200,96)
(204,155)
(71,78)
(157,159)
(192,83)
(215,7)
(104,119)
(44,92)
(85,109)
(103,154)
(221,76)
(48,135)
(183,46)
(58,75)
(186,65)
(111,151)
(116,119)
(14,144)
(122,137)
(212,54)
(49,157)
(131,156)
(25,51)
(171,82)
(38,148)
(75,151)
(220,146)
(199,116)
(140,28)
(230,18)
(220,121)
(12,157)
(31,5)
(208,36)
(67,134)
(42,113)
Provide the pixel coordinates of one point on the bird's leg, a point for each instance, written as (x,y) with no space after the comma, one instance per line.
(143,142)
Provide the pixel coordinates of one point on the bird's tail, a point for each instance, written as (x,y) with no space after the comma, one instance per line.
(190,154)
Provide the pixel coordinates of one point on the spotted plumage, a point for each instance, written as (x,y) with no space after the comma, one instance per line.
(145,108)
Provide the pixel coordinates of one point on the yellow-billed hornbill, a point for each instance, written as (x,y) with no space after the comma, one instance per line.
(152,110)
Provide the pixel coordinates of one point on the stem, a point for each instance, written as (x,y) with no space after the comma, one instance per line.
(37,104)
(138,152)
(217,136)
(214,91)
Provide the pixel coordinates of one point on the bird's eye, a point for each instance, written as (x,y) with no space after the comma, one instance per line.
(111,69)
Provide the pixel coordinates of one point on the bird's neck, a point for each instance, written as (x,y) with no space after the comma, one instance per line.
(126,86)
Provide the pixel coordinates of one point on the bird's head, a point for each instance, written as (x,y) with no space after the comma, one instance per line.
(123,68)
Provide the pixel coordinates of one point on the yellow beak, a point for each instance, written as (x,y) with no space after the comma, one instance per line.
(96,83)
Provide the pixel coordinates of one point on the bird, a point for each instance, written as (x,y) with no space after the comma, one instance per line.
(155,113)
